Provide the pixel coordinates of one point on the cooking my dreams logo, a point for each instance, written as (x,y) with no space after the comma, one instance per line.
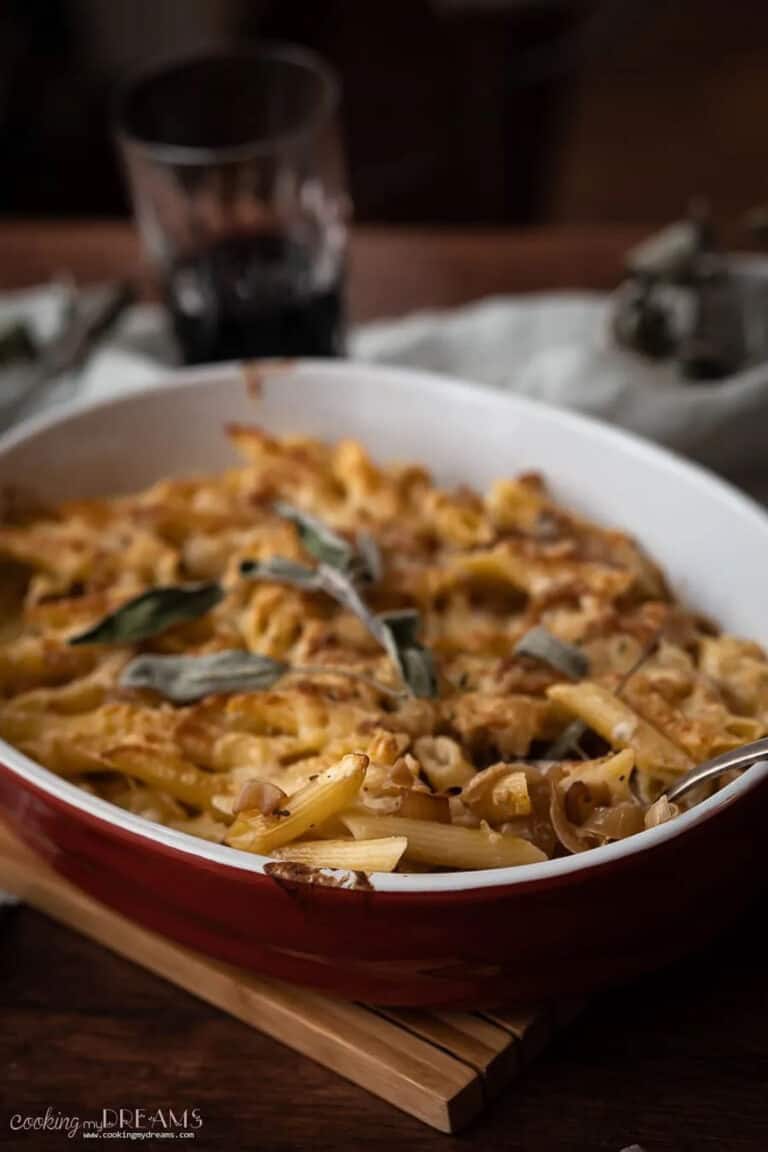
(115,1124)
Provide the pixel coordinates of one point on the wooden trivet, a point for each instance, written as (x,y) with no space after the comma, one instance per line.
(439,1065)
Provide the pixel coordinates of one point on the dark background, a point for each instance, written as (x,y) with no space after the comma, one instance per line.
(460,111)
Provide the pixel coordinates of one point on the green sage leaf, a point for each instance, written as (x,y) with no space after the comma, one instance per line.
(184,679)
(151,613)
(398,633)
(540,644)
(566,746)
(321,541)
(362,563)
(341,586)
(282,571)
(368,565)
(324,578)
(401,626)
(417,667)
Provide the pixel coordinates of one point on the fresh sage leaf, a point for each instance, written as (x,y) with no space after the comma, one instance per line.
(395,631)
(398,633)
(184,679)
(321,541)
(401,626)
(282,571)
(341,587)
(541,645)
(566,746)
(361,562)
(151,613)
(368,565)
(417,667)
(324,578)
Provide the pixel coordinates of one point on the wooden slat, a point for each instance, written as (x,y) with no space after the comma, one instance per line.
(533,1028)
(491,1050)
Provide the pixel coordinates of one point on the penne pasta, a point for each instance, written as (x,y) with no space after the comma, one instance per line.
(447,845)
(305,809)
(621,727)
(164,770)
(380,855)
(608,780)
(443,762)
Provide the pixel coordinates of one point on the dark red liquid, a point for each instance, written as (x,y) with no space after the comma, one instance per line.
(250,296)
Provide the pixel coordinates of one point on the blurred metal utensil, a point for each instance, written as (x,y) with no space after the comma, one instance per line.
(682,265)
(17,343)
(668,254)
(88,319)
(716,344)
(740,758)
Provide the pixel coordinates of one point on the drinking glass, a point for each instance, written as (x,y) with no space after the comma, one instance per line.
(236,171)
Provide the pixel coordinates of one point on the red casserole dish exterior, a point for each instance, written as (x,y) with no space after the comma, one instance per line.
(516,942)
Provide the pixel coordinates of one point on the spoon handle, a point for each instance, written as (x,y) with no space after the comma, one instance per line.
(743,757)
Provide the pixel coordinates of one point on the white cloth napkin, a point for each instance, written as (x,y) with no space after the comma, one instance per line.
(556,348)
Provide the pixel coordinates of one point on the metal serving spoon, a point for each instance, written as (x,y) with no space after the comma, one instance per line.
(88,319)
(743,757)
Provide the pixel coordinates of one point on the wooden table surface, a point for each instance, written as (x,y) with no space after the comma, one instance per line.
(677,1063)
(392,270)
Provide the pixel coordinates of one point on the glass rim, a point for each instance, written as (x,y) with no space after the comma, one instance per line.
(269,50)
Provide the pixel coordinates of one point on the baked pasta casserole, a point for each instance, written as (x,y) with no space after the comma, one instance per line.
(327,661)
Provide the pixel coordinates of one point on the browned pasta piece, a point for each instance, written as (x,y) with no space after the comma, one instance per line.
(382,855)
(621,727)
(447,846)
(331,791)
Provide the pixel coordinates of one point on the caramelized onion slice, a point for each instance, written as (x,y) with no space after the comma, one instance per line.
(614,823)
(660,812)
(259,795)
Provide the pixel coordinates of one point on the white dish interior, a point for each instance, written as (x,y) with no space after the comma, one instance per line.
(711,541)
